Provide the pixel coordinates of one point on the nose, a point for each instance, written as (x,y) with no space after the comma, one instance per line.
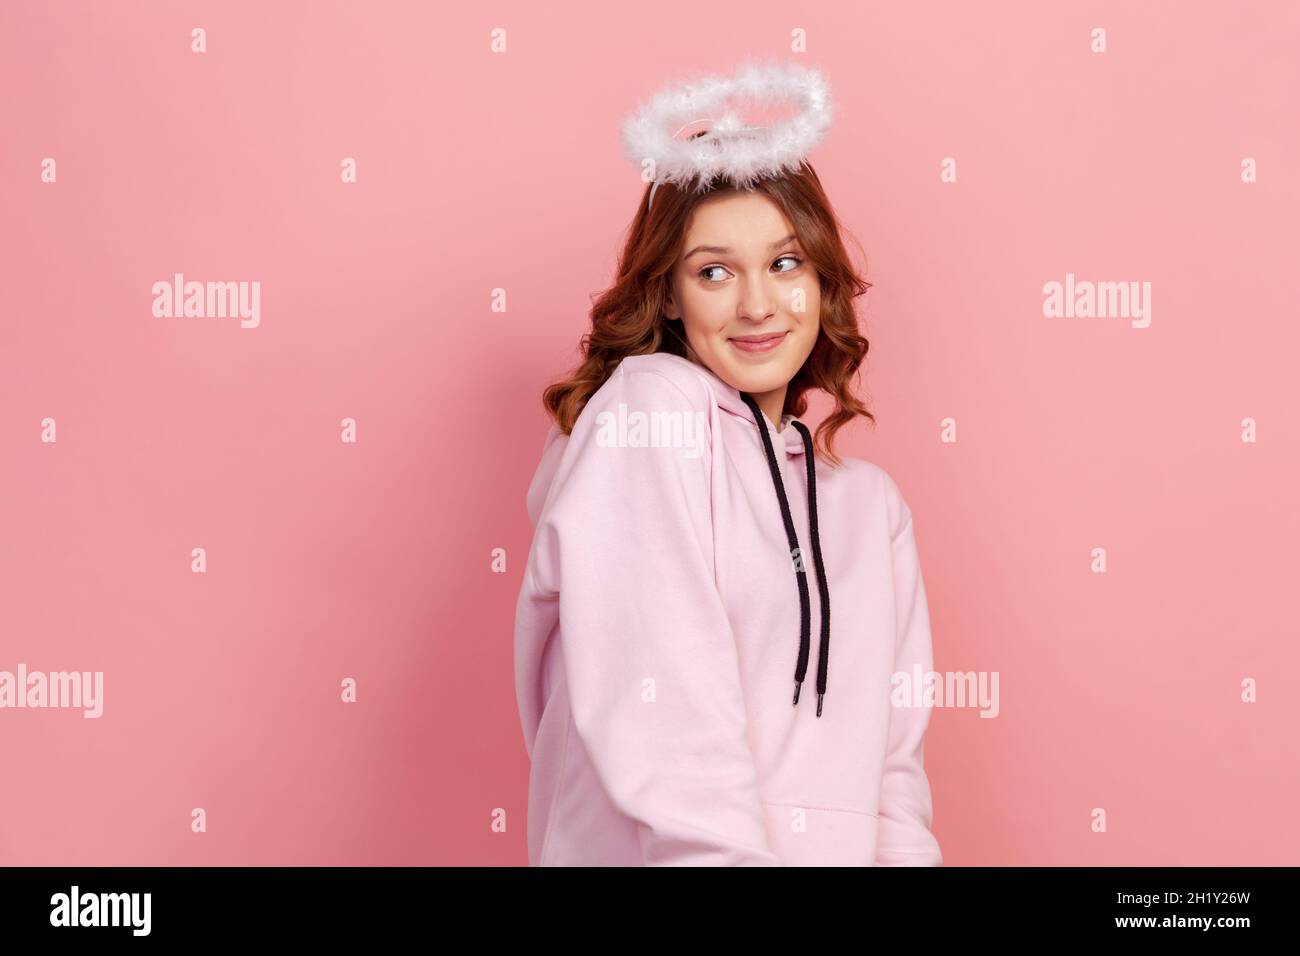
(757,299)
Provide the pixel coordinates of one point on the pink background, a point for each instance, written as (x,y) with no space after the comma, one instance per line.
(480,171)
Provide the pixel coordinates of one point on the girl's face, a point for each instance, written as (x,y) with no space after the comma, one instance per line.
(748,297)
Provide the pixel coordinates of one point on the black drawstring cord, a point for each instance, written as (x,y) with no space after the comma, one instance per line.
(801,668)
(823,588)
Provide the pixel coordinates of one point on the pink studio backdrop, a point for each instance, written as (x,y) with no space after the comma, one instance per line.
(479,171)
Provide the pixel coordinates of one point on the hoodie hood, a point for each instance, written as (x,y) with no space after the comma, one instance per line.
(793,439)
(732,401)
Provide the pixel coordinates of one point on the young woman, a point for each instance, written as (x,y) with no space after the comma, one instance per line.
(666,621)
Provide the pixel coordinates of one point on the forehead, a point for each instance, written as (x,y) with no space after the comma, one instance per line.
(737,219)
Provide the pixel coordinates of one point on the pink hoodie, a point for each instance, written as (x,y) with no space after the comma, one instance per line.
(664,618)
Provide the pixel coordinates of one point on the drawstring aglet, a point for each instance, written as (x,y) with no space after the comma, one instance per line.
(797,685)
(819,704)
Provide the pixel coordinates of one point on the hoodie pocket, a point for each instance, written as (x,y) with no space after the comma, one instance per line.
(806,835)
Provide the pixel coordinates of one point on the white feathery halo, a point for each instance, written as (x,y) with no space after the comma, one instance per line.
(730,149)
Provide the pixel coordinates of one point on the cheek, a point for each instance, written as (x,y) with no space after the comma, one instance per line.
(704,314)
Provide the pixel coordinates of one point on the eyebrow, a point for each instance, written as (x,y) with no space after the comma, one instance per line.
(724,250)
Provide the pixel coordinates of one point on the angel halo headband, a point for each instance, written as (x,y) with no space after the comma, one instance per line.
(729,149)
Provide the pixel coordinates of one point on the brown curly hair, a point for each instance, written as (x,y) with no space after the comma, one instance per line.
(628,318)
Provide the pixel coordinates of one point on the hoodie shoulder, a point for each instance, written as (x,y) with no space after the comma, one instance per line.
(681,372)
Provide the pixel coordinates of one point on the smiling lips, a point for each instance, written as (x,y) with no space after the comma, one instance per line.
(758,343)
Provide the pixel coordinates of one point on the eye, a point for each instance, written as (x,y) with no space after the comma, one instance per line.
(795,263)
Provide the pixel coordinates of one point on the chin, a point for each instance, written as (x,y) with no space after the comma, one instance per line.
(757,381)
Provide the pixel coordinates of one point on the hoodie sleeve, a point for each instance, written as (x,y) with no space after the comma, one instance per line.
(649,655)
(905,808)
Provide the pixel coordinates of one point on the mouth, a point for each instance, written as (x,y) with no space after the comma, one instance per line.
(755,344)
